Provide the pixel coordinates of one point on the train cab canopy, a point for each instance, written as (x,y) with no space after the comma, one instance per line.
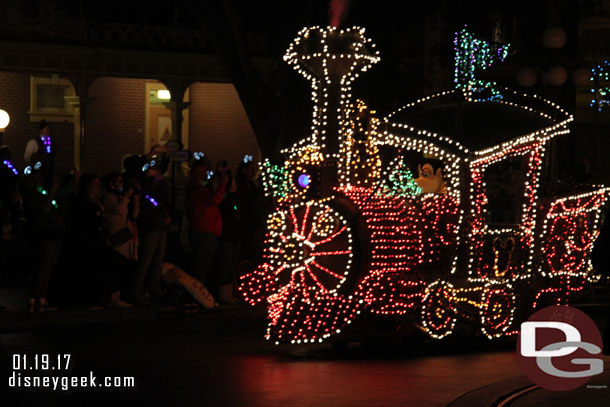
(468,126)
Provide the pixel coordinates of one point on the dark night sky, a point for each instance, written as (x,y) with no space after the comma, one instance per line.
(415,40)
(397,27)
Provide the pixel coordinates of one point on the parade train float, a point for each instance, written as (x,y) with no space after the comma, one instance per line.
(393,219)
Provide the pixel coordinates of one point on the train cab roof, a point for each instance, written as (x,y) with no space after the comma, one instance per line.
(474,126)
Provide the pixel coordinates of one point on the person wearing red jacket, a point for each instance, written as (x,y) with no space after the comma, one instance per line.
(205,220)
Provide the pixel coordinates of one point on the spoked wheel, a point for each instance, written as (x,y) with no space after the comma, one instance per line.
(308,259)
(310,249)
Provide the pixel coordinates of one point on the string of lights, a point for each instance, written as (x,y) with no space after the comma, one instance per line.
(46,140)
(600,89)
(472,54)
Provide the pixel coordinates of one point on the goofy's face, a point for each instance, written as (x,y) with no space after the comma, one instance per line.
(430,181)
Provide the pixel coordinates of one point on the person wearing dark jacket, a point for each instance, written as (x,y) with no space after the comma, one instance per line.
(40,153)
(47,230)
(87,232)
(229,243)
(251,213)
(10,210)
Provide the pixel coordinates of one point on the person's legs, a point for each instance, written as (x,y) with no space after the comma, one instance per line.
(119,268)
(148,245)
(55,248)
(40,252)
(205,246)
(229,254)
(157,262)
(5,257)
(88,279)
(47,253)
(48,250)
(113,270)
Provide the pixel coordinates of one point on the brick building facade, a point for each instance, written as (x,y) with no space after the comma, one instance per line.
(218,125)
(115,123)
(15,99)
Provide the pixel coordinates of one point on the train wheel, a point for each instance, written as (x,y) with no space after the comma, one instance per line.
(310,248)
(497,312)
(438,319)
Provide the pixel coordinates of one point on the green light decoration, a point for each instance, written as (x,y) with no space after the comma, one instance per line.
(400,182)
(44,192)
(472,54)
(601,86)
(275,180)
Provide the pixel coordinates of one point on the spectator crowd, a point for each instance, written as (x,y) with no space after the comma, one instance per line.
(97,240)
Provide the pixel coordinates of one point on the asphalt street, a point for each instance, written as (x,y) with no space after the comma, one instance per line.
(223,360)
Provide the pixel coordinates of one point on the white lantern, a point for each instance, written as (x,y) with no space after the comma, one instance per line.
(527,77)
(554,38)
(4,119)
(582,77)
(557,75)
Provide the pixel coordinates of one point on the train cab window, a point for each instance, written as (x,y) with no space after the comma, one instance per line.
(504,188)
(429,173)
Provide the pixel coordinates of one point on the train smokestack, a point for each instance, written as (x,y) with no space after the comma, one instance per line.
(331,59)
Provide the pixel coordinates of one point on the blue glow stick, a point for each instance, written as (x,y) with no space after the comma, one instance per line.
(152,200)
(11,167)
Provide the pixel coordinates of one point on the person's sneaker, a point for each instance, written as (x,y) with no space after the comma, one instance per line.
(119,304)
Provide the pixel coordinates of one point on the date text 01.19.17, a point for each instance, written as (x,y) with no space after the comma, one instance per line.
(41,361)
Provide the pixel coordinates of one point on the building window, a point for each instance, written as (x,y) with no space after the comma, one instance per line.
(49,97)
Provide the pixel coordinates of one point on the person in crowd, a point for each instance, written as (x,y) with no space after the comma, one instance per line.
(251,208)
(10,208)
(229,239)
(68,192)
(153,222)
(40,153)
(205,220)
(157,157)
(87,235)
(121,209)
(67,265)
(47,231)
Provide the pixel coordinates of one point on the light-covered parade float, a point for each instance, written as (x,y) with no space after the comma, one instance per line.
(394,219)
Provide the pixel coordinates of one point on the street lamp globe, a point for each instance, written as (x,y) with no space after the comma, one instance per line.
(4,119)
